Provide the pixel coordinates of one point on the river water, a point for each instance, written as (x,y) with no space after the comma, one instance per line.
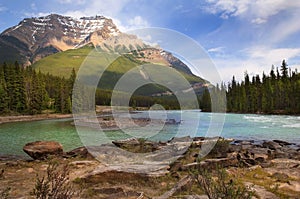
(13,136)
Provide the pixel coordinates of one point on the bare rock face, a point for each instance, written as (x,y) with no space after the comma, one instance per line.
(40,150)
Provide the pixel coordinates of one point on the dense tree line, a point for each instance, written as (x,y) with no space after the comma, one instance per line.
(103,97)
(277,92)
(213,99)
(25,91)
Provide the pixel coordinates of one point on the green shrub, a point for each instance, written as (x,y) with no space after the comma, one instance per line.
(220,149)
(218,185)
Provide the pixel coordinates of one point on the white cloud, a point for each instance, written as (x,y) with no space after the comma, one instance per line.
(273,55)
(2,8)
(32,14)
(137,22)
(216,50)
(228,7)
(77,2)
(285,28)
(33,6)
(256,60)
(258,21)
(258,11)
(274,21)
(107,8)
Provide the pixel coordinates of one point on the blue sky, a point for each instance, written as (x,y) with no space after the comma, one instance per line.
(238,35)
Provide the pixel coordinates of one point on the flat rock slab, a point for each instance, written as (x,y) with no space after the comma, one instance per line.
(154,164)
(140,170)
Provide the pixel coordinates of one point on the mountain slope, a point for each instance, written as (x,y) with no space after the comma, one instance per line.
(62,63)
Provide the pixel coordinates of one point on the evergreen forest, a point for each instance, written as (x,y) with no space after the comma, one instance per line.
(27,91)
(275,93)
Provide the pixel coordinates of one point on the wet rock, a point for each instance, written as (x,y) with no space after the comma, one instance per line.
(81,152)
(196,139)
(12,158)
(271,145)
(181,139)
(40,150)
(243,142)
(282,143)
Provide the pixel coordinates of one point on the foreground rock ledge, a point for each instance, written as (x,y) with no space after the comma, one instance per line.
(40,150)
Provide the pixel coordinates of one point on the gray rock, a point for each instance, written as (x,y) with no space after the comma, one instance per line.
(181,139)
(271,145)
(261,153)
(282,143)
(81,152)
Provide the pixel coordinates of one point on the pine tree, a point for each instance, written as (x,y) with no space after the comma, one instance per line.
(284,70)
(4,98)
(19,93)
(206,101)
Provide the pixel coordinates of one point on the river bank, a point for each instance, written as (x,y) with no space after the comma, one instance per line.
(100,110)
(271,169)
(23,118)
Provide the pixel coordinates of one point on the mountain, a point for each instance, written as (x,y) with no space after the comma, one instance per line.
(62,63)
(56,44)
(35,38)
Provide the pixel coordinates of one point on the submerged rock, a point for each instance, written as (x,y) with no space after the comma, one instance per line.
(40,150)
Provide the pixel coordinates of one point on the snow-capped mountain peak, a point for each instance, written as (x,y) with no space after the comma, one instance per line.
(38,37)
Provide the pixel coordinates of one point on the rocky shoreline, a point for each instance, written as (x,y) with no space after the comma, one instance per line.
(272,168)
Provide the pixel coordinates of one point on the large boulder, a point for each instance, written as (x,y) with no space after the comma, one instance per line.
(40,150)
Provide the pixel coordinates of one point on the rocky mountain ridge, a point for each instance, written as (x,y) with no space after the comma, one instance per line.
(38,37)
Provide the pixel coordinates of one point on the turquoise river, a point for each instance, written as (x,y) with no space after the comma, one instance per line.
(13,136)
